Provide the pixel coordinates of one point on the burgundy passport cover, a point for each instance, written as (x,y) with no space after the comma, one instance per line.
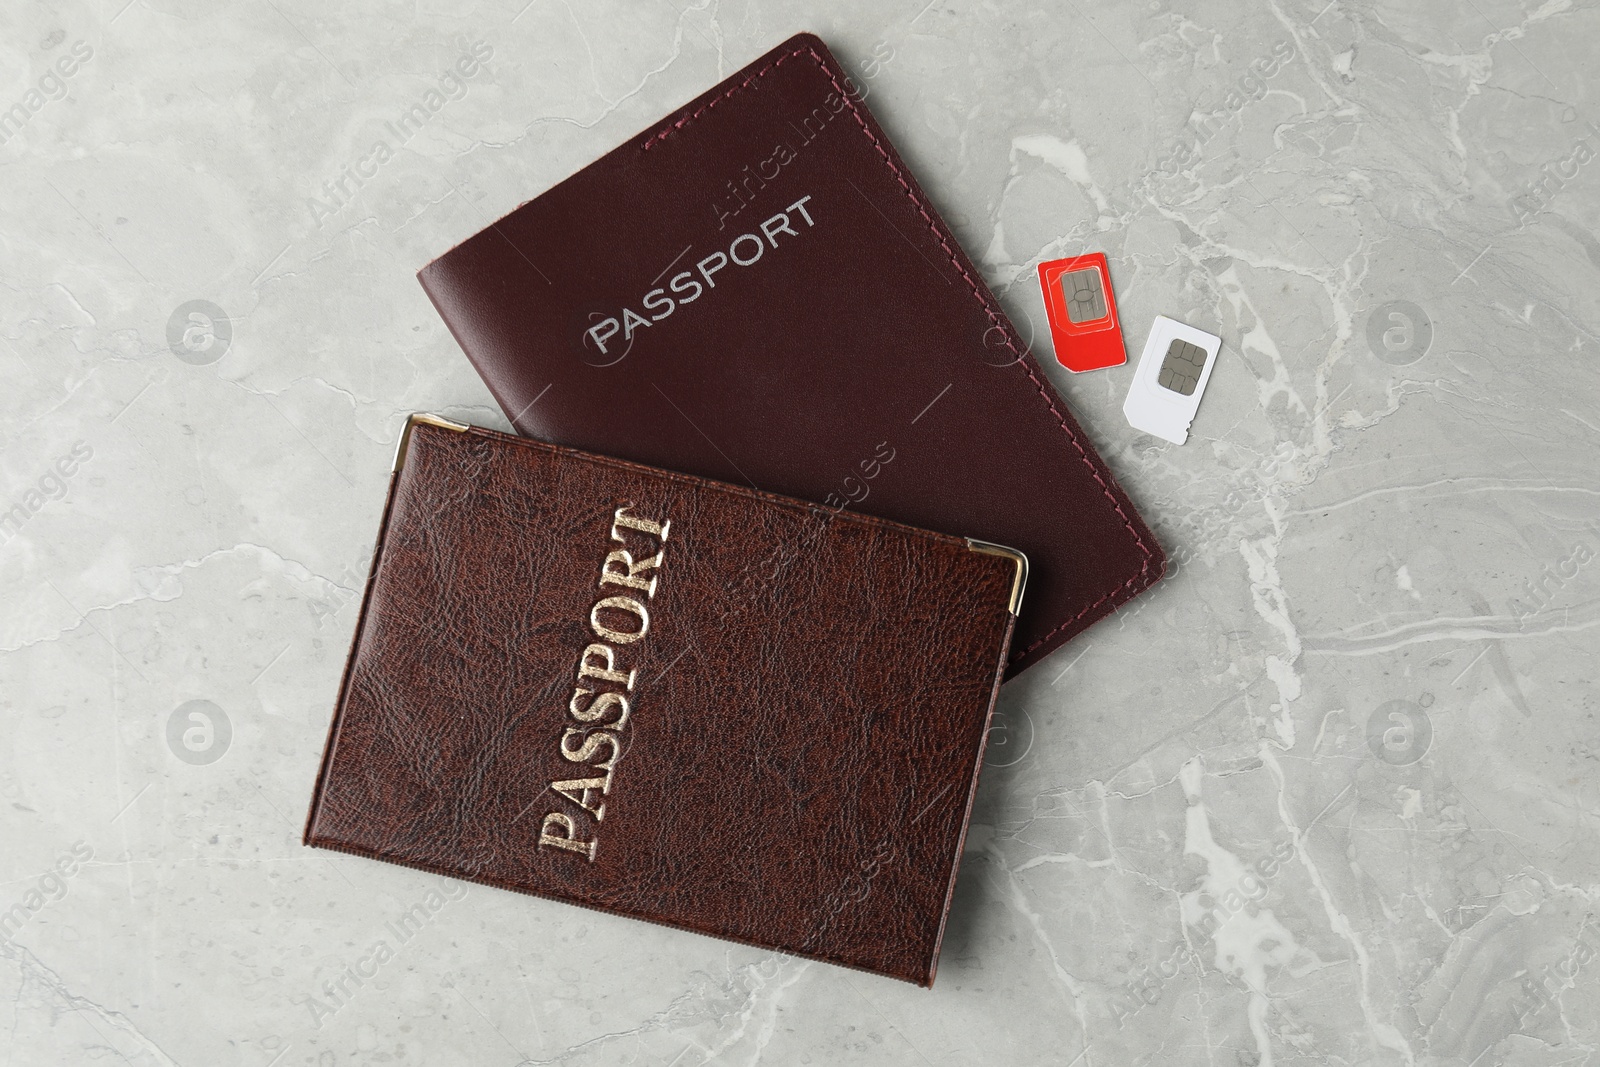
(665,697)
(757,290)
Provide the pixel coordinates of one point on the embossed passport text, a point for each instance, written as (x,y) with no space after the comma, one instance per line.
(757,290)
(668,698)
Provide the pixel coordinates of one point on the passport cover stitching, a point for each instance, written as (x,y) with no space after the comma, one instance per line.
(977,292)
(1140,558)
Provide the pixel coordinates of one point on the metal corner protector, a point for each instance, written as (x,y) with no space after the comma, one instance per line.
(1020,582)
(415,419)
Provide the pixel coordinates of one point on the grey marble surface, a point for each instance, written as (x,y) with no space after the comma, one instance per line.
(1329,794)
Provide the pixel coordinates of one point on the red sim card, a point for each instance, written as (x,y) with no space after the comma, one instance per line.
(1083,312)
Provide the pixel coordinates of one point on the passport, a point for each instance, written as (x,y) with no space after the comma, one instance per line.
(668,698)
(757,290)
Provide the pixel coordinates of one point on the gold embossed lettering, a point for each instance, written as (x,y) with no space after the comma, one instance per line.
(578,790)
(606,673)
(598,707)
(590,747)
(658,530)
(595,743)
(619,637)
(567,839)
(629,574)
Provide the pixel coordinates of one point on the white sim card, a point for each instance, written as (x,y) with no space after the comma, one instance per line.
(1172,373)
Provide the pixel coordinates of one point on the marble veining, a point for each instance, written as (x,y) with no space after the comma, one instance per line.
(1328,794)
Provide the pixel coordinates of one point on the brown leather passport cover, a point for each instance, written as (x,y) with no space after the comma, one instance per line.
(756,290)
(665,697)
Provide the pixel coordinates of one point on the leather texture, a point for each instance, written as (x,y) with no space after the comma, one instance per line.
(806,727)
(865,330)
